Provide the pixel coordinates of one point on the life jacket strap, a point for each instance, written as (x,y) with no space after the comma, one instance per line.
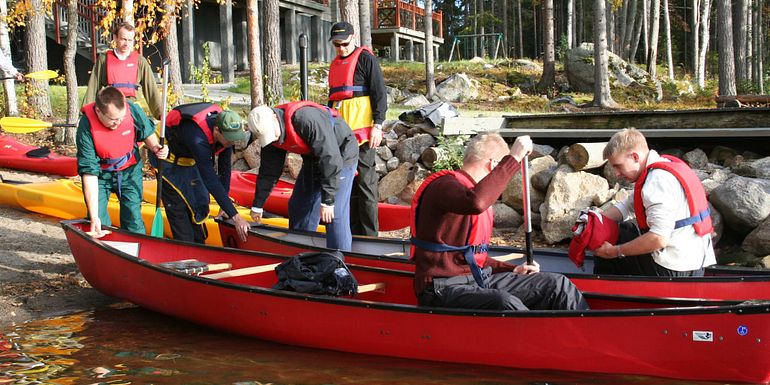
(468,251)
(125,85)
(349,88)
(699,217)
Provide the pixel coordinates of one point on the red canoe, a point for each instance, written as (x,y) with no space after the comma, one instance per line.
(20,156)
(693,340)
(738,284)
(242,185)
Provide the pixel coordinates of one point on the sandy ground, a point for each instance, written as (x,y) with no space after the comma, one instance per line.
(38,276)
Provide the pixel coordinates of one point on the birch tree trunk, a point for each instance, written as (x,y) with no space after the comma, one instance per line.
(602,96)
(365,20)
(646,29)
(548,78)
(127,11)
(652,58)
(430,78)
(70,74)
(255,53)
(669,43)
(5,45)
(37,58)
(695,14)
(705,34)
(570,23)
(272,44)
(726,59)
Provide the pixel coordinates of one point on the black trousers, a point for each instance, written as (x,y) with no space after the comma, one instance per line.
(183,228)
(637,264)
(364,196)
(505,291)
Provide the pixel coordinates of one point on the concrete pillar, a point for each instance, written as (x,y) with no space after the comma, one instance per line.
(410,49)
(317,39)
(394,48)
(290,35)
(188,42)
(226,39)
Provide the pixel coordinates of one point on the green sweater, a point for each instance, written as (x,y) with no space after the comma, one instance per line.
(88,161)
(145,80)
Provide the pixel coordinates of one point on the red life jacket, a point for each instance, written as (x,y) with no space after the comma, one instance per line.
(597,229)
(198,113)
(341,74)
(481,225)
(115,148)
(700,217)
(292,142)
(122,74)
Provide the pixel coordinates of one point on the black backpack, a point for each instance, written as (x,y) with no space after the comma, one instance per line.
(316,273)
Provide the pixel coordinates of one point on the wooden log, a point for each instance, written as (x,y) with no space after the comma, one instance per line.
(431,155)
(585,156)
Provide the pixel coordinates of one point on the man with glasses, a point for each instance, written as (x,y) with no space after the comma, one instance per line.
(357,91)
(108,157)
(126,70)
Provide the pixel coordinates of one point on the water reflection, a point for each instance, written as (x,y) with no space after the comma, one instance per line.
(134,346)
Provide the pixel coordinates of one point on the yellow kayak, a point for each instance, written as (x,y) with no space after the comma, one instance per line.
(64,199)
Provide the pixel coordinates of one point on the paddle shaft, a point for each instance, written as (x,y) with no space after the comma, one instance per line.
(527,209)
(162,140)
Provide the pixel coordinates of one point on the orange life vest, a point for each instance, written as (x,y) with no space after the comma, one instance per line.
(292,142)
(700,216)
(476,245)
(122,74)
(341,74)
(115,148)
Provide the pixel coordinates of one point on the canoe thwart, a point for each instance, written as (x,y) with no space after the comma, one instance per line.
(395,254)
(509,257)
(195,267)
(378,287)
(243,271)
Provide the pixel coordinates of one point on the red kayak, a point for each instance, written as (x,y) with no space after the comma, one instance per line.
(20,156)
(685,339)
(720,283)
(242,185)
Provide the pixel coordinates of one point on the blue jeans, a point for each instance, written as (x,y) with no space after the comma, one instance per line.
(305,206)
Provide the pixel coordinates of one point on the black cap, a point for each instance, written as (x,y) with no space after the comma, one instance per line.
(341,31)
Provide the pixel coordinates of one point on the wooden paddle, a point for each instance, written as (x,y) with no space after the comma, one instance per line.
(18,125)
(526,207)
(39,75)
(157,221)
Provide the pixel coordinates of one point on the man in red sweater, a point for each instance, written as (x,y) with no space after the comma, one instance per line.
(451,226)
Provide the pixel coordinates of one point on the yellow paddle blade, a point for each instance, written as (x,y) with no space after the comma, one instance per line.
(19,125)
(42,75)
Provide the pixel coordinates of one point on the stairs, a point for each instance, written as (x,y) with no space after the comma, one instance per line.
(89,42)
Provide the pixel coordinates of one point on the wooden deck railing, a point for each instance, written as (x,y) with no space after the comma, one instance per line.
(88,19)
(398,13)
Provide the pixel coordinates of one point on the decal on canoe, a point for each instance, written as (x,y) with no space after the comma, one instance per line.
(702,336)
(743,330)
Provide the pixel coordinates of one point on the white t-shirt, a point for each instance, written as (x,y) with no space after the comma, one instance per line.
(6,66)
(665,203)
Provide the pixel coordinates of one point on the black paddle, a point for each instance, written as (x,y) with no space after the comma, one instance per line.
(526,208)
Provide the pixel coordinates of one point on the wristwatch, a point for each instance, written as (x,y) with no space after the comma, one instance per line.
(620,253)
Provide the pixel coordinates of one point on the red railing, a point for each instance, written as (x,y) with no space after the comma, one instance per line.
(398,13)
(88,22)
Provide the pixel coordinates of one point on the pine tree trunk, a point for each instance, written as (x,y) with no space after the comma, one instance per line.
(726,59)
(635,40)
(548,78)
(70,73)
(349,12)
(652,58)
(506,26)
(602,96)
(739,39)
(521,36)
(171,51)
(365,20)
(759,54)
(8,85)
(430,80)
(255,53)
(669,43)
(272,43)
(37,58)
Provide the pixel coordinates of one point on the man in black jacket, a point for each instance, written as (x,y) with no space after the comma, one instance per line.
(329,157)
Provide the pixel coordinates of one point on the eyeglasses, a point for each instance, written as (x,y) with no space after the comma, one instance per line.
(112,121)
(343,44)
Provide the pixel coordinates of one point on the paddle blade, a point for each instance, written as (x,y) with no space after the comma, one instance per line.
(42,75)
(157,224)
(19,125)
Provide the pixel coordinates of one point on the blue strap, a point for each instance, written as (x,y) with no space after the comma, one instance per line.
(114,165)
(349,88)
(332,119)
(125,85)
(468,251)
(699,217)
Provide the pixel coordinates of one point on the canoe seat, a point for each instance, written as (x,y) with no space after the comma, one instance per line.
(378,287)
(195,267)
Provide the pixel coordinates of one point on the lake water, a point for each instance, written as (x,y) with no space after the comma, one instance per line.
(130,345)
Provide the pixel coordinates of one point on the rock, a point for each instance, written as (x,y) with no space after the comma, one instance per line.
(416,101)
(609,174)
(420,172)
(718,222)
(743,202)
(512,195)
(506,216)
(677,152)
(766,262)
(540,150)
(458,88)
(251,154)
(697,158)
(240,165)
(394,95)
(392,163)
(542,179)
(568,193)
(410,149)
(384,152)
(759,168)
(380,166)
(477,60)
(391,143)
(408,192)
(527,65)
(719,154)
(293,164)
(758,240)
(394,182)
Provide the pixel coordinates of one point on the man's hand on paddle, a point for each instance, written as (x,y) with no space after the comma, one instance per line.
(527,269)
(521,147)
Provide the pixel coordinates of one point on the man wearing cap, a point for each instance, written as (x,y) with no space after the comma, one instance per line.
(329,157)
(108,157)
(198,133)
(126,70)
(357,91)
